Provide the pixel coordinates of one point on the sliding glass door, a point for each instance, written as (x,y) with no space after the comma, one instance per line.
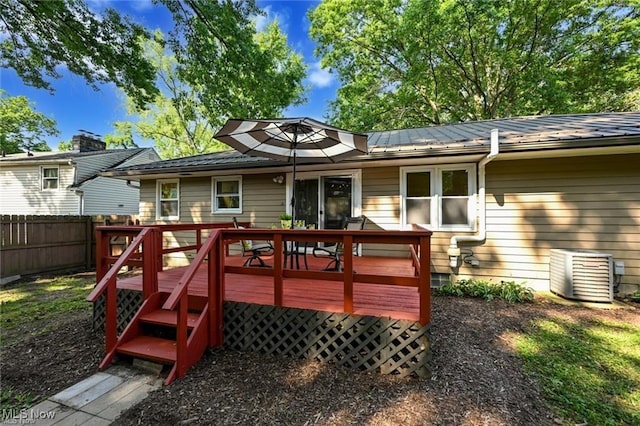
(326,201)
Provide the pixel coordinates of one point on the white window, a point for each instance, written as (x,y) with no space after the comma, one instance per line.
(226,194)
(49,178)
(440,197)
(168,200)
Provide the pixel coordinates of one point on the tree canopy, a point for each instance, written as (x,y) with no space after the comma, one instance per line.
(44,35)
(407,63)
(21,127)
(214,66)
(234,70)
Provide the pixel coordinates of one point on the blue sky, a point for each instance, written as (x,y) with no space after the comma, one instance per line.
(74,105)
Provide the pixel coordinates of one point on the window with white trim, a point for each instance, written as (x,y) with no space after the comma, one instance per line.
(168,199)
(226,194)
(439,197)
(49,178)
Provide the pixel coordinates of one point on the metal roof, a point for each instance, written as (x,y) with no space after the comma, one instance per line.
(516,134)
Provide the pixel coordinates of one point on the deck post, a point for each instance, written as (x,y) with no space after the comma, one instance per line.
(181,337)
(424,283)
(347,272)
(111,316)
(149,271)
(219,290)
(102,251)
(277,269)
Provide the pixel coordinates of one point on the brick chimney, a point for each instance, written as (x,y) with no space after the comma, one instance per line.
(85,143)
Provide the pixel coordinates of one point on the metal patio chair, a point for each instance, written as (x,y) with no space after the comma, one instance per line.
(254,249)
(336,251)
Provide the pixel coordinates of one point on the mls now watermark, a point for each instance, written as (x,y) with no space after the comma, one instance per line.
(25,416)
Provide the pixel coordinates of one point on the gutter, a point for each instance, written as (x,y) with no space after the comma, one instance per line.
(480,237)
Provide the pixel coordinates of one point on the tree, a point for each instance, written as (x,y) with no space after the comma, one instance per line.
(220,67)
(234,71)
(44,35)
(21,127)
(407,63)
(65,146)
(122,137)
(176,122)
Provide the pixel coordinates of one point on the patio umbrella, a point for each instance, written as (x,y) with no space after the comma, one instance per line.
(287,139)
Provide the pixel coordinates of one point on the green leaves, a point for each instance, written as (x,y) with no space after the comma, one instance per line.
(45,35)
(214,66)
(421,62)
(21,127)
(509,291)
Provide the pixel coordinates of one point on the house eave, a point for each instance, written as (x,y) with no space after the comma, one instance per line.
(404,156)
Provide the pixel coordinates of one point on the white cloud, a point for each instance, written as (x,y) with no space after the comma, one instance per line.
(142,5)
(271,15)
(320,77)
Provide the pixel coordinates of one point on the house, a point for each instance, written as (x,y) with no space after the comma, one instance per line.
(68,183)
(496,209)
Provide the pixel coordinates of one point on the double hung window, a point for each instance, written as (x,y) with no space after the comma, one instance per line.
(439,197)
(49,176)
(227,194)
(168,199)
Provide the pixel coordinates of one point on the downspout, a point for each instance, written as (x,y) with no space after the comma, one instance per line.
(480,237)
(80,194)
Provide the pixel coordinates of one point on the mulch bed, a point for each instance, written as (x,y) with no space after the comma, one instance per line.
(476,379)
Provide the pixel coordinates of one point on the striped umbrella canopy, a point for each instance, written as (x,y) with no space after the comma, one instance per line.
(287,139)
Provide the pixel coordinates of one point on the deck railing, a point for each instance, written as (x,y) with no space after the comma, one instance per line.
(147,239)
(210,252)
(418,241)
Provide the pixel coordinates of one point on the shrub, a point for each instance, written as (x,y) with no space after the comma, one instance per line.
(510,291)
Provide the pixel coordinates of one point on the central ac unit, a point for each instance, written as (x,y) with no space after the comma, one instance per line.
(581,275)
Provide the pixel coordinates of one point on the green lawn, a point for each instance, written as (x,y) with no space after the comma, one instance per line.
(43,299)
(589,369)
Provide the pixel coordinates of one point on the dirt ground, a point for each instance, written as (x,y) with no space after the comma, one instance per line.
(476,379)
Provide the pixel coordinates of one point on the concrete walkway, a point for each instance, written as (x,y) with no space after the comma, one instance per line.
(95,401)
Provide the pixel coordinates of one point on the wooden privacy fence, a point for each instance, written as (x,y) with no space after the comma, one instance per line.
(36,244)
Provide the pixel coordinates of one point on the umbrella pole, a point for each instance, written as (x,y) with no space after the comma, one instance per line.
(293,192)
(293,186)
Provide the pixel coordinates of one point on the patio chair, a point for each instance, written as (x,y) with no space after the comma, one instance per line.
(336,251)
(254,248)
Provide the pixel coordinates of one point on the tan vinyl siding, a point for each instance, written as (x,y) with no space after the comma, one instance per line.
(381,205)
(262,202)
(534,206)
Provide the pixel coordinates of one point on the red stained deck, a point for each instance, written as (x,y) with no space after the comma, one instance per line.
(398,302)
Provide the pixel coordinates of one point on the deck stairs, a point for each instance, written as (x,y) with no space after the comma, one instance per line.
(152,335)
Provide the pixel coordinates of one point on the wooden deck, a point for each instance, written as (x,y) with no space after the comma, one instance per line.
(397,302)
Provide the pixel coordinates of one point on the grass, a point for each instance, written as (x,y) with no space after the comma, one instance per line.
(43,299)
(589,369)
(48,300)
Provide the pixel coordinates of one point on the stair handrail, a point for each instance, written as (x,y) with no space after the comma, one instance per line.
(179,295)
(181,288)
(110,276)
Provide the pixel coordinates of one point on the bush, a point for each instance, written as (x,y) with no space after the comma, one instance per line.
(510,291)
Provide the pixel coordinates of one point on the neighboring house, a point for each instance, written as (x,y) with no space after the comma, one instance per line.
(68,183)
(565,181)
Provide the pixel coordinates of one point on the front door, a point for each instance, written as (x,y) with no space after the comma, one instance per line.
(324,201)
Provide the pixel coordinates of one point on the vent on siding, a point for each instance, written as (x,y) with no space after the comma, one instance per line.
(581,275)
